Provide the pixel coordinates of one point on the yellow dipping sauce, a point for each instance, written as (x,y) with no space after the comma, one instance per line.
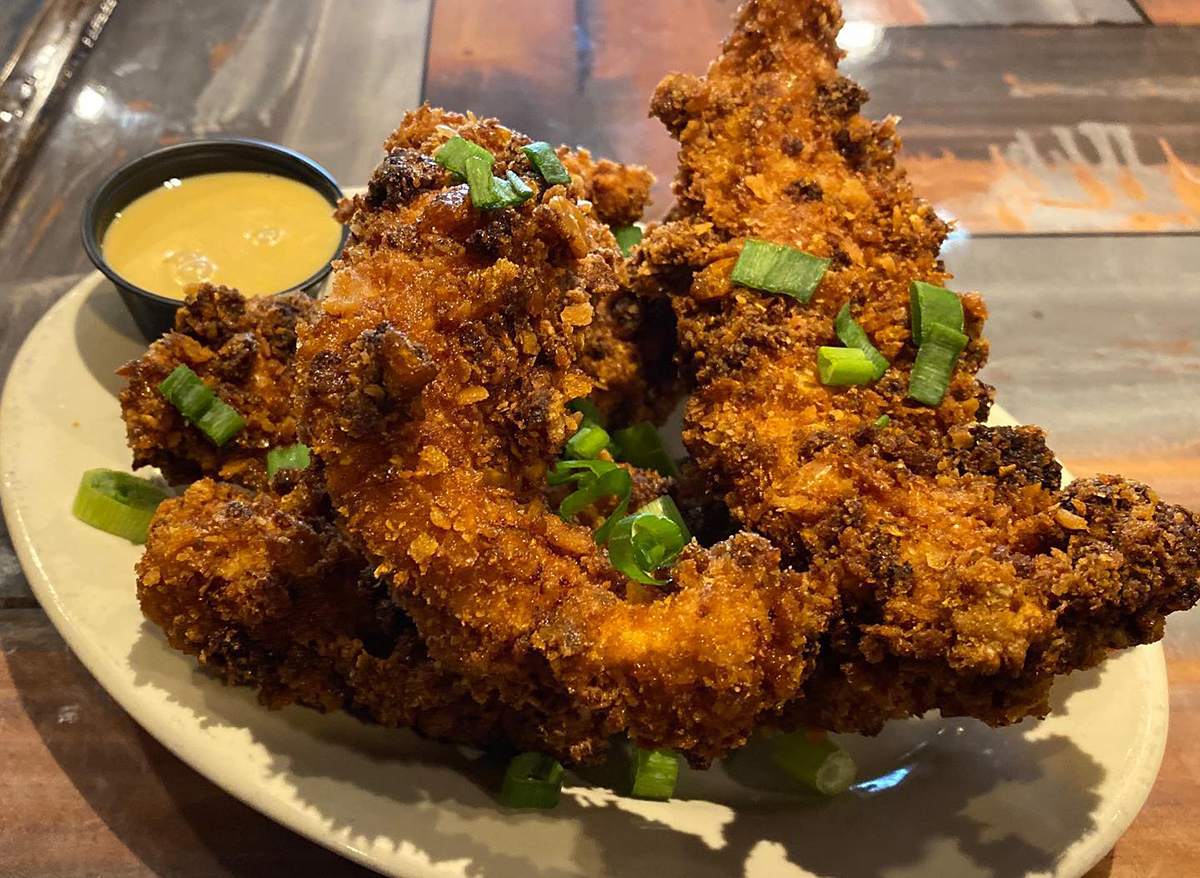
(260,233)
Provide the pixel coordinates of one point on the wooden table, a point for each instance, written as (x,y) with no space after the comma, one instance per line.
(1068,147)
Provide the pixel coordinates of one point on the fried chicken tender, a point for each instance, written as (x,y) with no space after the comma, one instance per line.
(264,591)
(967,579)
(240,347)
(434,389)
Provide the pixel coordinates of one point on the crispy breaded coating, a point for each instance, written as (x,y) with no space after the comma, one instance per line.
(264,591)
(241,347)
(966,578)
(434,391)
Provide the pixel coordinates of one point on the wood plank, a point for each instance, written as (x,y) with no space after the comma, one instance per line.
(1017,12)
(1172,11)
(87,792)
(1014,129)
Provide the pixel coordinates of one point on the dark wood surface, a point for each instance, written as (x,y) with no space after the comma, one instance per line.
(1069,151)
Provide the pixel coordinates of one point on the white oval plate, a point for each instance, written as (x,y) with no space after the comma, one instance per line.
(940,799)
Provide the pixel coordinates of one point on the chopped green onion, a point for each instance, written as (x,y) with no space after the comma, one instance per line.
(645,542)
(292,457)
(627,237)
(839,367)
(882,421)
(545,159)
(521,191)
(854,336)
(816,762)
(665,507)
(197,402)
(593,479)
(589,410)
(929,305)
(934,366)
(454,153)
(565,472)
(643,447)
(221,422)
(779,269)
(485,194)
(184,390)
(587,442)
(532,780)
(117,503)
(654,774)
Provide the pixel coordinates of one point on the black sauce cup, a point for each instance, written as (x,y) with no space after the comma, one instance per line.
(155,314)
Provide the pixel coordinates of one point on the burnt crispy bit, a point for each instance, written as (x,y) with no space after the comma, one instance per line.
(211,314)
(841,97)
(791,145)
(804,190)
(235,359)
(1017,454)
(377,378)
(401,175)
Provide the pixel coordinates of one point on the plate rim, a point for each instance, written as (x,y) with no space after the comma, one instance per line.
(1088,850)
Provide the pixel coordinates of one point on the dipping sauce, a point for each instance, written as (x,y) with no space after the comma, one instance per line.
(260,233)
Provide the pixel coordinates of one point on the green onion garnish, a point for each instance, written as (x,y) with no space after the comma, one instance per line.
(485,194)
(627,237)
(521,191)
(117,503)
(854,336)
(648,540)
(816,762)
(929,305)
(839,367)
(184,390)
(778,269)
(197,402)
(654,774)
(293,457)
(934,366)
(454,153)
(221,422)
(882,421)
(587,442)
(665,507)
(643,447)
(532,781)
(593,479)
(544,158)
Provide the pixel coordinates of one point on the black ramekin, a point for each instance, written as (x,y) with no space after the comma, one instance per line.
(155,314)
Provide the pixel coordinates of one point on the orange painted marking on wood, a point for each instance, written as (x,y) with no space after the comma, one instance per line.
(1184,180)
(1132,187)
(1172,11)
(220,53)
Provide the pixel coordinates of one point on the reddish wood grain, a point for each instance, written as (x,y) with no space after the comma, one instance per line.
(86,792)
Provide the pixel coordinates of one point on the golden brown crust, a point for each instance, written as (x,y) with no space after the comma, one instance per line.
(264,591)
(434,390)
(944,539)
(240,347)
